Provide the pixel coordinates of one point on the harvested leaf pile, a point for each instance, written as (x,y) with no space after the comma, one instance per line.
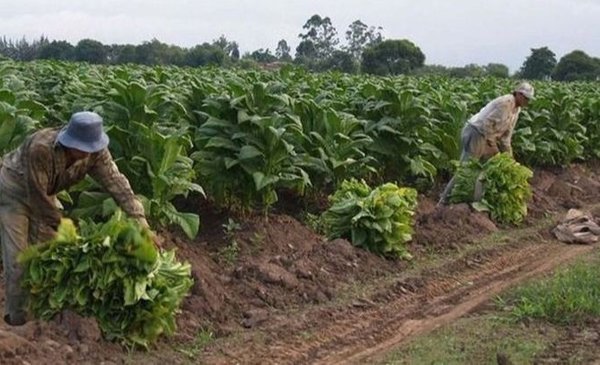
(500,186)
(379,220)
(110,271)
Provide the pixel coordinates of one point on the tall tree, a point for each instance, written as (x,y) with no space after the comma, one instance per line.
(123,53)
(392,57)
(577,65)
(22,50)
(57,50)
(89,50)
(7,47)
(30,51)
(262,56)
(359,36)
(496,70)
(306,53)
(322,34)
(154,52)
(206,54)
(282,52)
(340,61)
(231,48)
(539,65)
(468,70)
(176,55)
(221,42)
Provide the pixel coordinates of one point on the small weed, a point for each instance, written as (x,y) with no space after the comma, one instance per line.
(230,253)
(230,228)
(204,338)
(306,335)
(257,240)
(313,221)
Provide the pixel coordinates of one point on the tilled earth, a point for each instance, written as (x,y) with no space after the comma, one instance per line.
(282,294)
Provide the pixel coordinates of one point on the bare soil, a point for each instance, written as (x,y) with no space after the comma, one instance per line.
(274,291)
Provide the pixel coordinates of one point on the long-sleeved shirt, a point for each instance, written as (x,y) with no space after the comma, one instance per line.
(497,120)
(42,163)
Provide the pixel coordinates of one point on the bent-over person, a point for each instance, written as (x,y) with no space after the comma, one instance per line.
(47,162)
(490,131)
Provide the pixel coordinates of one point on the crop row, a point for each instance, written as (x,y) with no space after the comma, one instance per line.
(241,137)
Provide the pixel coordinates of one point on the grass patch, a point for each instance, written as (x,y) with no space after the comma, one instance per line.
(474,340)
(569,297)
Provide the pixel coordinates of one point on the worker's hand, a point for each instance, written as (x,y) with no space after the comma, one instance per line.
(46,232)
(158,241)
(143,222)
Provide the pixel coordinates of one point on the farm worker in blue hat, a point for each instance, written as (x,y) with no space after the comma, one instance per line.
(490,131)
(49,161)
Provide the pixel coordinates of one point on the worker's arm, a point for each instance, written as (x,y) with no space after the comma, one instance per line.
(105,171)
(504,143)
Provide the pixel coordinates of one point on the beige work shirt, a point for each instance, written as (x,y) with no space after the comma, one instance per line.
(497,120)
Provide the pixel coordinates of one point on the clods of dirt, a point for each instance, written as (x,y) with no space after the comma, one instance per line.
(450,226)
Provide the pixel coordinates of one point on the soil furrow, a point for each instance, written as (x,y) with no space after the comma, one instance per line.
(359,334)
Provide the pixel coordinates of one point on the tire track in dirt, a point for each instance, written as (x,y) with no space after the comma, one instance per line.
(539,259)
(364,331)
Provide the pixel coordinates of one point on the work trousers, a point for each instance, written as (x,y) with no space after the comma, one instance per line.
(474,145)
(17,230)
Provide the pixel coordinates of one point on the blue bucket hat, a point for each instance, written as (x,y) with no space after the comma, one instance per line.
(84,132)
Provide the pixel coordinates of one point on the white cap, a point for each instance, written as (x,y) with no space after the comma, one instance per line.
(526,89)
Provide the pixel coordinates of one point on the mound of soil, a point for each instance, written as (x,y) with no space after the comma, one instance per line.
(279,263)
(449,226)
(560,189)
(552,191)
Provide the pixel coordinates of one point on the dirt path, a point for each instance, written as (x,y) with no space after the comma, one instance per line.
(365,330)
(496,276)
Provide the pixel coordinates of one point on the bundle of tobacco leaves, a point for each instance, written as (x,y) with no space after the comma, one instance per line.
(111,271)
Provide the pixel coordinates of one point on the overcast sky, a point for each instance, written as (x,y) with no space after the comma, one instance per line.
(451,33)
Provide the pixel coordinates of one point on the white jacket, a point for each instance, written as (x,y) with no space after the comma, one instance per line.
(497,120)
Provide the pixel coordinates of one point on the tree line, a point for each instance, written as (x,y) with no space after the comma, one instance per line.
(364,50)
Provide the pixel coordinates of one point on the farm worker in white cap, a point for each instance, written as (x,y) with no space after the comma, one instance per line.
(49,161)
(490,131)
